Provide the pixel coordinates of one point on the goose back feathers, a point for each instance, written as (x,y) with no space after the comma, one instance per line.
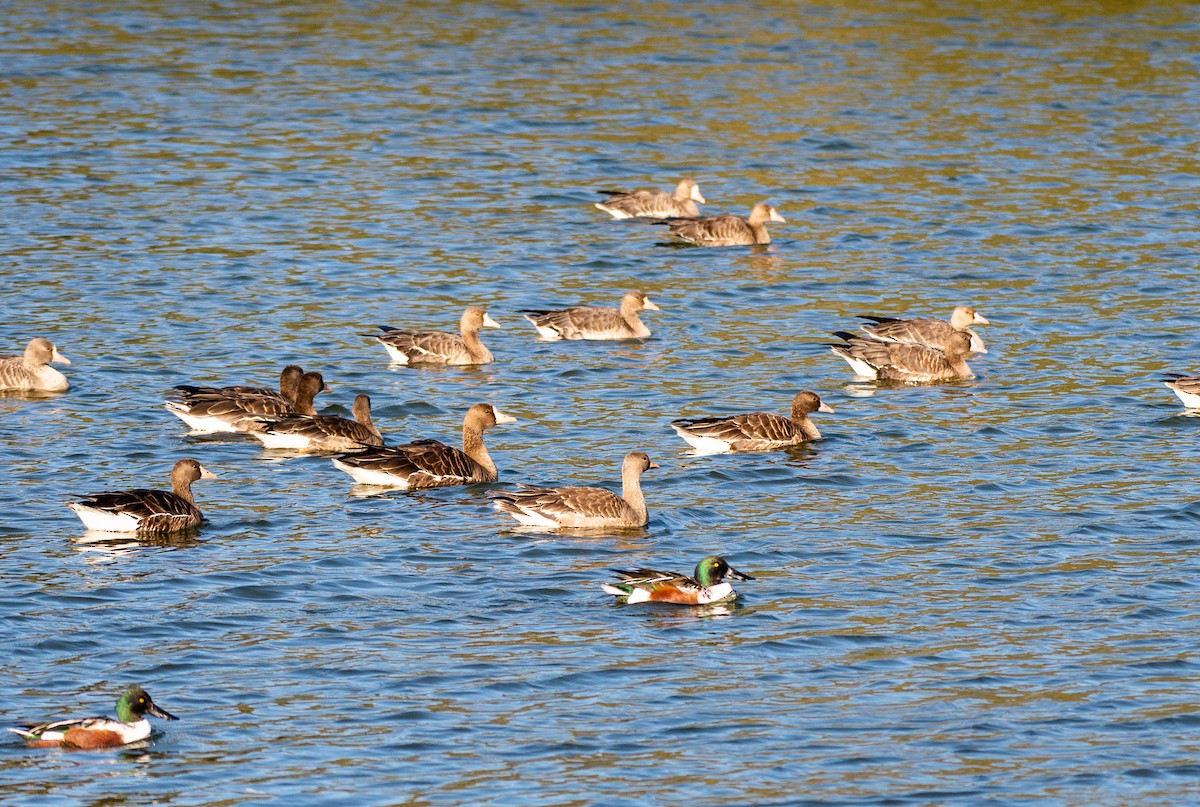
(681,203)
(756,431)
(148,511)
(934,333)
(320,432)
(31,371)
(439,347)
(727,230)
(430,463)
(236,409)
(914,364)
(594,322)
(582,506)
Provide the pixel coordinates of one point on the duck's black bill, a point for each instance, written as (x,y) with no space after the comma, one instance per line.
(160,713)
(734,574)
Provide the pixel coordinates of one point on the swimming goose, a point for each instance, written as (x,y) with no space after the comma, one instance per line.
(1187,387)
(727,230)
(892,361)
(430,463)
(757,431)
(320,432)
(31,371)
(582,507)
(594,322)
(233,409)
(142,510)
(438,347)
(129,726)
(707,585)
(679,204)
(928,332)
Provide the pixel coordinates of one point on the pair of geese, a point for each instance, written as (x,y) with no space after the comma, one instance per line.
(679,212)
(466,348)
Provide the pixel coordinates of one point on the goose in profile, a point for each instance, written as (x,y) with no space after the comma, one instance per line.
(579,506)
(707,584)
(927,332)
(147,511)
(31,371)
(679,204)
(234,409)
(129,726)
(727,230)
(1187,387)
(320,432)
(439,347)
(594,322)
(914,364)
(430,463)
(757,431)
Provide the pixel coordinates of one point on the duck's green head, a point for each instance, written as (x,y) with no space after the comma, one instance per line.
(714,569)
(135,703)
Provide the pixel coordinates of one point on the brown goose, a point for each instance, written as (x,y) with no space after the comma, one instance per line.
(430,463)
(727,230)
(932,333)
(582,507)
(144,510)
(679,204)
(31,371)
(892,361)
(1187,387)
(594,322)
(438,347)
(757,431)
(233,409)
(320,432)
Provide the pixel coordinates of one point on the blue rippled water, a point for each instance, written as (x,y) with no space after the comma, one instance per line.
(966,593)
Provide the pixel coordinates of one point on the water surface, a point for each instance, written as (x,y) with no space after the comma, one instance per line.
(974,592)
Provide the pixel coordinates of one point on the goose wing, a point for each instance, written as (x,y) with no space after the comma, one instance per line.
(423,464)
(154,509)
(580,321)
(565,505)
(896,361)
(653,204)
(324,429)
(726,230)
(424,345)
(755,426)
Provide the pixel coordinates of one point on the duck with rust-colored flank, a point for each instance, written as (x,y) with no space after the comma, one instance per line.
(31,371)
(129,726)
(147,511)
(429,463)
(679,204)
(233,409)
(912,364)
(756,431)
(595,322)
(927,332)
(320,432)
(706,586)
(439,347)
(580,506)
(727,230)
